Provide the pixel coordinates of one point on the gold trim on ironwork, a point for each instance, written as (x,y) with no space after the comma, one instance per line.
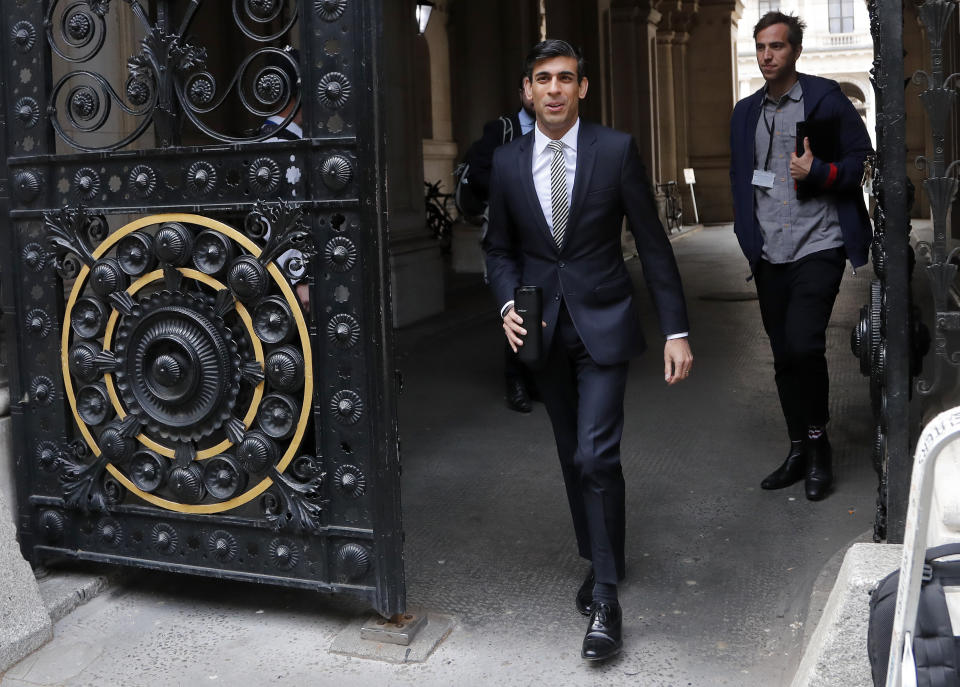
(295,309)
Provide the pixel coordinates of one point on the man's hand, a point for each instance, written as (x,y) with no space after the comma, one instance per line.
(677,360)
(513,328)
(800,166)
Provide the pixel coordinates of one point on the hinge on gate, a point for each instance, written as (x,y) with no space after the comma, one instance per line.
(948,320)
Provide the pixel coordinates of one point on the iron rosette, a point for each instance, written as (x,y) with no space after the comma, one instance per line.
(179,361)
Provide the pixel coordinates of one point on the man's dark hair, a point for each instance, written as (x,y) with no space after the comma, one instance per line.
(552,47)
(795,26)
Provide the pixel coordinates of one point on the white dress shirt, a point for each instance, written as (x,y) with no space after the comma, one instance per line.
(543,157)
(291,126)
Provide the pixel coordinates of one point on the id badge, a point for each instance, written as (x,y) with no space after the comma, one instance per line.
(763,178)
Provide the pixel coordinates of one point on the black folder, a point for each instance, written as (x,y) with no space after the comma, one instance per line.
(528,303)
(824,138)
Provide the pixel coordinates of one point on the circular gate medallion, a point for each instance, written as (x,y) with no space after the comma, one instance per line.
(175,378)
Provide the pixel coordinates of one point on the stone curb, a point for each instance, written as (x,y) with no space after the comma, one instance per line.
(25,625)
(837,652)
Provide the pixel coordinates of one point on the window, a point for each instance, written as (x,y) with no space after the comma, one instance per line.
(841,16)
(769,6)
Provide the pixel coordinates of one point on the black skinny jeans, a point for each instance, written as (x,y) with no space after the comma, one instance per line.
(796,300)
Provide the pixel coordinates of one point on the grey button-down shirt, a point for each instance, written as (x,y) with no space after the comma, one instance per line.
(790,228)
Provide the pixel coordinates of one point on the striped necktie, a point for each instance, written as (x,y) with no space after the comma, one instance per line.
(558,192)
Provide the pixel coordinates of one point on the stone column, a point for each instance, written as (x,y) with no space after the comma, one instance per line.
(439,151)
(681,21)
(578,21)
(680,86)
(633,76)
(416,269)
(712,79)
(667,102)
(489,41)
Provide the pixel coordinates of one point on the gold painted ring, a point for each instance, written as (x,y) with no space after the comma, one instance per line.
(302,330)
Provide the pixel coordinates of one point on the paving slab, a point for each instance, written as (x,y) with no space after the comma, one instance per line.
(65,588)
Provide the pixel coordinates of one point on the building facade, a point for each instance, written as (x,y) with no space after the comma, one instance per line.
(836,44)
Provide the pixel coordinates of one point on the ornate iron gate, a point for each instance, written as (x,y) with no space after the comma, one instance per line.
(880,340)
(892,340)
(178,408)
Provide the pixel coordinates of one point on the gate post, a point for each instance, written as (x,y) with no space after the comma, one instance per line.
(894,362)
(25,625)
(882,339)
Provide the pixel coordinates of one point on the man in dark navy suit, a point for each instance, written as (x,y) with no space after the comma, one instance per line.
(558,197)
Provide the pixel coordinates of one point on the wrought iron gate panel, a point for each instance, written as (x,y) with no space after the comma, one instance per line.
(177,408)
(892,340)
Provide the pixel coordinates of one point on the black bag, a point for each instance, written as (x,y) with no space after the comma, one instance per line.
(936,650)
(470,206)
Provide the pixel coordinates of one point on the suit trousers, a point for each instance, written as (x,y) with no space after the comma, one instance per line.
(585,404)
(796,299)
(513,369)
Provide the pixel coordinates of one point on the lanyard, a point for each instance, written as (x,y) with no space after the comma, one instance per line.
(769,125)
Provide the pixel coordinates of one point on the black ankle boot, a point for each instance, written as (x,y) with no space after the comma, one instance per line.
(792,470)
(819,468)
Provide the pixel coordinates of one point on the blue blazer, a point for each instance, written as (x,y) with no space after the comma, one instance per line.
(588,271)
(838,181)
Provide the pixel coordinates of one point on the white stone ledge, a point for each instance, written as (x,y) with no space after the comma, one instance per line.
(837,652)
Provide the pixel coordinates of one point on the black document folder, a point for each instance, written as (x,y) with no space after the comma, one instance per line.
(824,138)
(528,302)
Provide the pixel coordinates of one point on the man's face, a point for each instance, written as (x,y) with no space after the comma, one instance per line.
(775,56)
(556,94)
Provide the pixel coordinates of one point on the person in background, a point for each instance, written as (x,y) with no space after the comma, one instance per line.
(292,260)
(520,386)
(798,218)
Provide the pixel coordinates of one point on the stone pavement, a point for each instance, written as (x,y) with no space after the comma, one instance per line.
(720,573)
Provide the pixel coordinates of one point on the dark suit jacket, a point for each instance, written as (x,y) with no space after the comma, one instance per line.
(836,180)
(587,272)
(480,155)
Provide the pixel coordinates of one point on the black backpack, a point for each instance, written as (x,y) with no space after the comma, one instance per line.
(936,650)
(469,205)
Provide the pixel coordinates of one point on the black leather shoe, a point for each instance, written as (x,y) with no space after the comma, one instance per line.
(518,398)
(819,468)
(585,594)
(793,470)
(604,636)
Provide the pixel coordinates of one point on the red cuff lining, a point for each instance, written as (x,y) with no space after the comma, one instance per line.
(832,176)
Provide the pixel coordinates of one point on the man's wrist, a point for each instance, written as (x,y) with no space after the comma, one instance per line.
(505,309)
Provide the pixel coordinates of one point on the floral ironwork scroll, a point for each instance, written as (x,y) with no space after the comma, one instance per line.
(167,78)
